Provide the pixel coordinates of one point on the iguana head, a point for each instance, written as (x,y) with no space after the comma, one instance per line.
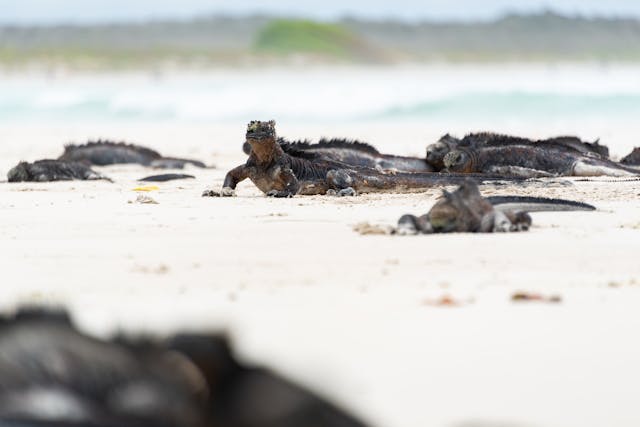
(261,137)
(19,173)
(458,161)
(437,150)
(258,130)
(448,212)
(461,210)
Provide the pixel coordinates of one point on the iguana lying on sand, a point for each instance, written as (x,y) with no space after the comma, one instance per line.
(101,153)
(527,161)
(513,156)
(632,159)
(52,170)
(465,210)
(279,174)
(437,151)
(354,153)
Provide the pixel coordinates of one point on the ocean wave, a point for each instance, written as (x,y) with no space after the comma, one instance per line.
(237,102)
(517,104)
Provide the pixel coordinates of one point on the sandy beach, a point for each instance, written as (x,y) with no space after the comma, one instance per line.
(354,317)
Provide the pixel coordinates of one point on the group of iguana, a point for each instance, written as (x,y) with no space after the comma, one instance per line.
(76,161)
(282,168)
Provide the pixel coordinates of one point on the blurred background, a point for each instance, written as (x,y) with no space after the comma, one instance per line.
(434,66)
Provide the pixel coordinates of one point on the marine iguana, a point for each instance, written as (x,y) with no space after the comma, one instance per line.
(633,158)
(351,152)
(572,143)
(466,210)
(54,375)
(103,152)
(53,170)
(436,151)
(593,149)
(242,395)
(279,174)
(530,160)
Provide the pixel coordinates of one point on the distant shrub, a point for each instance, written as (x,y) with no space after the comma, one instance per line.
(301,36)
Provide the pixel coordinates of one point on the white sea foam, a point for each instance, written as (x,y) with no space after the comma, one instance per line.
(333,94)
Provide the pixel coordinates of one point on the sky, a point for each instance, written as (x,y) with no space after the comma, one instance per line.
(101,11)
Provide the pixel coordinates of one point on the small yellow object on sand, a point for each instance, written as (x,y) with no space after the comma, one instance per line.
(147,188)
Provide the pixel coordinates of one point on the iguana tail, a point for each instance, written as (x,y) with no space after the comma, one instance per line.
(537,204)
(166,177)
(408,182)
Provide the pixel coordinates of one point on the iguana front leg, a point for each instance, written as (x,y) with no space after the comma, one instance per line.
(231,180)
(498,221)
(291,184)
(495,222)
(410,224)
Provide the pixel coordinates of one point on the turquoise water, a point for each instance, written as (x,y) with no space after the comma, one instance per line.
(509,105)
(344,95)
(518,104)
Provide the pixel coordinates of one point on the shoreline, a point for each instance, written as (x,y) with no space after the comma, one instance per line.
(169,70)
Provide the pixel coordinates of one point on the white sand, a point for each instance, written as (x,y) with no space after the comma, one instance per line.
(345,314)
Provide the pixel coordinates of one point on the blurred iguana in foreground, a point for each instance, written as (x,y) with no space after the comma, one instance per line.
(54,375)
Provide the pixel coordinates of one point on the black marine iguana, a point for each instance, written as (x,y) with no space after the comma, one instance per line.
(530,160)
(252,396)
(279,174)
(354,153)
(633,158)
(438,150)
(53,375)
(101,153)
(52,170)
(466,210)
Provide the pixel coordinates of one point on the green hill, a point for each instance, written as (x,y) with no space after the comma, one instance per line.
(287,37)
(260,40)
